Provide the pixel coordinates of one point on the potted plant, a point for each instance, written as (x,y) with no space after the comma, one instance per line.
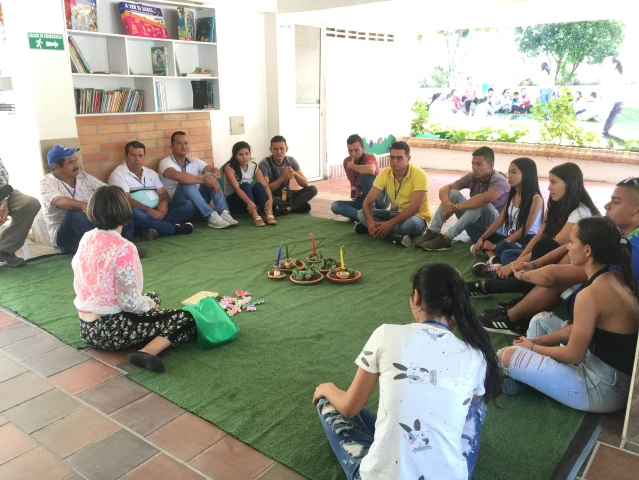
(306,276)
(289,263)
(324,264)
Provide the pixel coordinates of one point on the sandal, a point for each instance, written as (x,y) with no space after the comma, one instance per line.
(270,218)
(258,222)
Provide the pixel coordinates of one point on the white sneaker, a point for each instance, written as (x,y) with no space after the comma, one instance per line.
(226,216)
(215,221)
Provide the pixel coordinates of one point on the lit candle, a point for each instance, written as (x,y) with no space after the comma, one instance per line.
(279,255)
(341,256)
(287,250)
(313,244)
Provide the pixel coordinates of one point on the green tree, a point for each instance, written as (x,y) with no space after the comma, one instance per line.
(571,44)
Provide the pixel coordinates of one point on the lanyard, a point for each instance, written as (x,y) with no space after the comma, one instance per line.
(435,322)
(141,182)
(72,193)
(632,234)
(183,168)
(400,185)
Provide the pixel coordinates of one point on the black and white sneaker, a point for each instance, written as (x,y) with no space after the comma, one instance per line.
(184,228)
(150,234)
(483,269)
(361,228)
(475,290)
(402,240)
(498,322)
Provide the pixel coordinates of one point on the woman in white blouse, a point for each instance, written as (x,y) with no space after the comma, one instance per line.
(113,311)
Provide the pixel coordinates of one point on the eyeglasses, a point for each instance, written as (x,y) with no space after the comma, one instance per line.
(392,157)
(631,181)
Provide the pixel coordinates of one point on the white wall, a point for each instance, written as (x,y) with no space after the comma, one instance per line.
(368,92)
(436,159)
(242,72)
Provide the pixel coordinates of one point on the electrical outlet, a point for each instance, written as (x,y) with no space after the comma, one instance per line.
(237,125)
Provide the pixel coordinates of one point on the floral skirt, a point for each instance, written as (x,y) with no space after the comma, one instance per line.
(121,330)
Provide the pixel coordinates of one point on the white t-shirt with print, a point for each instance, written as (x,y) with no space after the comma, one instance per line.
(194,166)
(427,381)
(578,213)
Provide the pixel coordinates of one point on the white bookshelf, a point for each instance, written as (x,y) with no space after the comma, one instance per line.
(126,60)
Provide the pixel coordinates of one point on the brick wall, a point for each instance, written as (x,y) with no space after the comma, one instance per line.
(102,138)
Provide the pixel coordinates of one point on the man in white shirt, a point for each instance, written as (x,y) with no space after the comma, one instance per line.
(182,174)
(65,193)
(148,198)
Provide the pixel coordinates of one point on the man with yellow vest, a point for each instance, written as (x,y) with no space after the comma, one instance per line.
(407,189)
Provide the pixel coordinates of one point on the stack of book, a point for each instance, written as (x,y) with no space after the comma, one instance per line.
(79,63)
(161,97)
(91,100)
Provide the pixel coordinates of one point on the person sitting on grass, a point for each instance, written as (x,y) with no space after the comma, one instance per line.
(279,169)
(586,365)
(504,240)
(569,202)
(181,174)
(505,103)
(114,313)
(407,188)
(525,101)
(433,387)
(361,170)
(488,193)
(517,107)
(148,198)
(245,187)
(556,280)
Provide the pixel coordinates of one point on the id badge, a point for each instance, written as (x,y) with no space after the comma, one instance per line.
(151,195)
(394,209)
(284,194)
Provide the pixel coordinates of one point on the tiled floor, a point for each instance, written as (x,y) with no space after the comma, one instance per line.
(67,414)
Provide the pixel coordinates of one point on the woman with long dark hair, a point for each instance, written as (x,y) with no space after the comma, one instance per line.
(614,81)
(433,386)
(519,221)
(245,187)
(586,365)
(568,203)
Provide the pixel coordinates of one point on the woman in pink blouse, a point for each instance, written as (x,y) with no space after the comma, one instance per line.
(113,311)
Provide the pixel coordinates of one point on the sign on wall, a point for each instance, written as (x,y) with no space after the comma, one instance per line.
(46,41)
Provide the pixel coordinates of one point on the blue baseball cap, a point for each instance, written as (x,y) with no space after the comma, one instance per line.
(59,152)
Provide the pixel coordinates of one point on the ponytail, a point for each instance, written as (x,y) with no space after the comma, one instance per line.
(444,294)
(624,264)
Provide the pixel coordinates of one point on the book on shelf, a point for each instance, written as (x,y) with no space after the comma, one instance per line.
(67,13)
(186,20)
(159,61)
(161,97)
(202,95)
(142,21)
(91,100)
(205,29)
(78,60)
(84,15)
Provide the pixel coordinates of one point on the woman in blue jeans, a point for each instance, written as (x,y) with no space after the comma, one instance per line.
(432,389)
(586,365)
(245,187)
(519,221)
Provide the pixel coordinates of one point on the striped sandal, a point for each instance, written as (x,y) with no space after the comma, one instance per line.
(258,222)
(270,218)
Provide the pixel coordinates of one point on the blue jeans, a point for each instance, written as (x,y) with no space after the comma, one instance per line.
(74,225)
(359,431)
(349,208)
(545,94)
(179,212)
(507,252)
(413,226)
(201,198)
(256,193)
(592,386)
(483,215)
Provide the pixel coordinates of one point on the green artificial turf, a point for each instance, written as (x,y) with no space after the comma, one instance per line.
(259,388)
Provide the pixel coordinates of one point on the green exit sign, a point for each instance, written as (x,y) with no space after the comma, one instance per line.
(46,41)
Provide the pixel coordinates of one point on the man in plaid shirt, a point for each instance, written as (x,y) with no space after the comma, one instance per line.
(22,209)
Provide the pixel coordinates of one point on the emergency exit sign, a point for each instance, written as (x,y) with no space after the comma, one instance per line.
(46,41)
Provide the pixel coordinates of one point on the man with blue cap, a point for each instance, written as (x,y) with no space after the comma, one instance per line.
(65,193)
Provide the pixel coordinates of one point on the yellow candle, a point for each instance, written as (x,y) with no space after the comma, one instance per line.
(341,256)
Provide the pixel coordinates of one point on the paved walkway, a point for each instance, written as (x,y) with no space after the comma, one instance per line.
(69,414)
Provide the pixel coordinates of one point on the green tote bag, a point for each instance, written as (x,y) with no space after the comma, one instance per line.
(214,326)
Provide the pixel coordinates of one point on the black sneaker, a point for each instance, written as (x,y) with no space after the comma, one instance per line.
(142,252)
(10,260)
(475,290)
(304,208)
(279,210)
(498,322)
(150,234)
(401,240)
(482,269)
(361,228)
(510,304)
(184,228)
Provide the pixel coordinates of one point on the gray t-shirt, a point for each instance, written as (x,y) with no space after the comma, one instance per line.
(497,181)
(273,171)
